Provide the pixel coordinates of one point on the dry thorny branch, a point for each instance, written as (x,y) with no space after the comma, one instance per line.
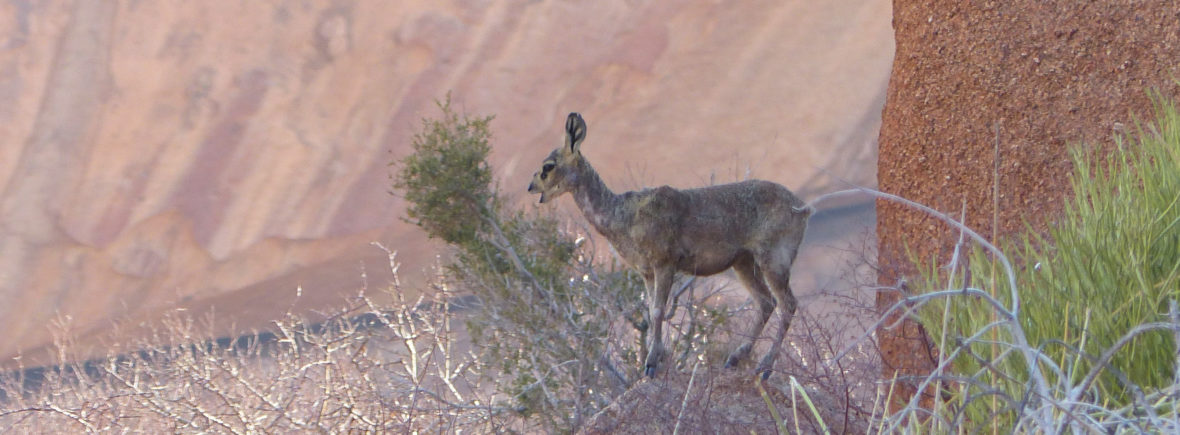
(364,367)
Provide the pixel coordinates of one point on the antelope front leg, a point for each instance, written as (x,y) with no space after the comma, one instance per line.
(662,285)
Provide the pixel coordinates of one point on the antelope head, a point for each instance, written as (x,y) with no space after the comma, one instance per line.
(559,171)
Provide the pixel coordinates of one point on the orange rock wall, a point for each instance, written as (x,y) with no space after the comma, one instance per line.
(1036,77)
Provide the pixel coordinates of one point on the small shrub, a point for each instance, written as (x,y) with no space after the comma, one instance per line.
(446,180)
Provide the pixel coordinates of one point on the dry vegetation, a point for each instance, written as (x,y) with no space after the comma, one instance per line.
(410,366)
(366,368)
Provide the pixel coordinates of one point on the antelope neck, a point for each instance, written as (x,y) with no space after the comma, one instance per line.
(598,203)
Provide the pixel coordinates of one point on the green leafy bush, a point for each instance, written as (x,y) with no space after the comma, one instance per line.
(447,179)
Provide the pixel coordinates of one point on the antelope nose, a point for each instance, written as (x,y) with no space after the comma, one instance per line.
(531,186)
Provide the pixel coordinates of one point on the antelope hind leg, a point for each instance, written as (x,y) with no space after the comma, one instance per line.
(751,277)
(786,308)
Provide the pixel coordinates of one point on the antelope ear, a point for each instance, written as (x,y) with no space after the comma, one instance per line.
(575,131)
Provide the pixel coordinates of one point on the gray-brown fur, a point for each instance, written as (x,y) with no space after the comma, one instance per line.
(754,227)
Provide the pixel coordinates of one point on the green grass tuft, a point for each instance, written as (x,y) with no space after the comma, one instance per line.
(1111,262)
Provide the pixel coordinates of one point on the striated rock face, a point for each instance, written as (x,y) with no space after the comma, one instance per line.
(1021,80)
(215,156)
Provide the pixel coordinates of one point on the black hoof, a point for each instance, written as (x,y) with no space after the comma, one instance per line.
(731,363)
(650,372)
(765,375)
